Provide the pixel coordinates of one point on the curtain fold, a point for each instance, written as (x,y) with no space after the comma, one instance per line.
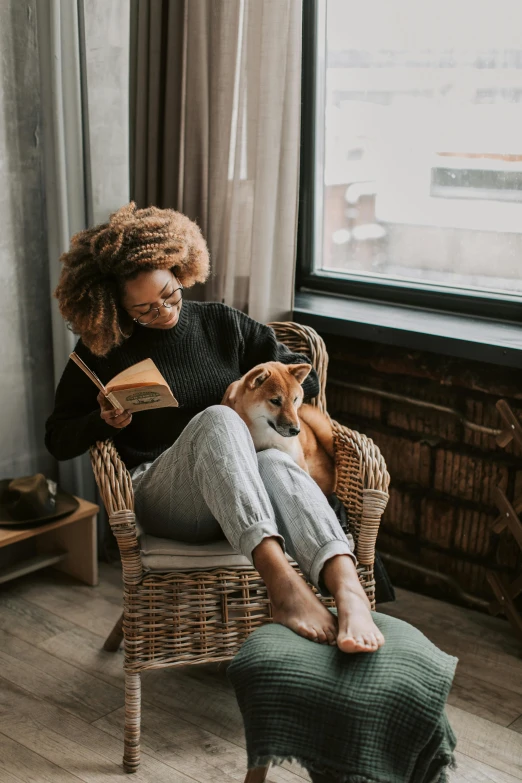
(84,67)
(217,136)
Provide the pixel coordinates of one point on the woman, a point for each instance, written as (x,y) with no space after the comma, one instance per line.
(195,472)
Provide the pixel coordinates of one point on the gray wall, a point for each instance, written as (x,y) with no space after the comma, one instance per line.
(26,367)
(107,78)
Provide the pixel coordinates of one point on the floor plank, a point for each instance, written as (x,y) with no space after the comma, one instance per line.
(467,625)
(73,744)
(95,609)
(487,742)
(84,650)
(492,702)
(59,682)
(190,748)
(472,771)
(93,753)
(517,725)
(488,680)
(27,621)
(6,777)
(22,764)
(495,667)
(196,703)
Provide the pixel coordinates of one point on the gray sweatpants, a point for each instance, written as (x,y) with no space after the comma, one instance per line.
(211,482)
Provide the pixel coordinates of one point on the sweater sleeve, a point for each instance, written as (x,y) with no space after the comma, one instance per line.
(75,424)
(260,345)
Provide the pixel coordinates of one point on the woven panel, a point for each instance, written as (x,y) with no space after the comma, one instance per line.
(181,618)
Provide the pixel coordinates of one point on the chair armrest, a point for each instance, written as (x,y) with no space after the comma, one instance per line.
(112,477)
(362,486)
(115,486)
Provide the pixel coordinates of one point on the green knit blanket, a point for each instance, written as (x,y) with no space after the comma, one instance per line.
(364,718)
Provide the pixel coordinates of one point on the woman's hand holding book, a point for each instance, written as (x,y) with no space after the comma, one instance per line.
(115,417)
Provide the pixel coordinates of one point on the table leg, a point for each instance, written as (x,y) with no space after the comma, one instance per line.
(79,541)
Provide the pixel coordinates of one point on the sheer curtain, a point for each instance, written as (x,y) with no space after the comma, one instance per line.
(84,68)
(216,135)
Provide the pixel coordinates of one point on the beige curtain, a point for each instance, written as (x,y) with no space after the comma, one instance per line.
(217,131)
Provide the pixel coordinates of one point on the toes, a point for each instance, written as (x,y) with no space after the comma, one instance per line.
(360,642)
(311,633)
(307,631)
(370,641)
(331,637)
(347,644)
(321,635)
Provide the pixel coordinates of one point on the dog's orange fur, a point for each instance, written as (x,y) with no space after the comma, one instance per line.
(269,400)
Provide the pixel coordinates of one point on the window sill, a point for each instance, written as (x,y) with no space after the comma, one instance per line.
(467,337)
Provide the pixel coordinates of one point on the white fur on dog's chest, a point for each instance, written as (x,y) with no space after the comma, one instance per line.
(265,437)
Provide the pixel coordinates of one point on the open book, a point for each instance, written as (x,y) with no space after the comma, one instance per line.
(139,388)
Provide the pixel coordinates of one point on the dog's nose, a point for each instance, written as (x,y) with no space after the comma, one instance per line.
(293,431)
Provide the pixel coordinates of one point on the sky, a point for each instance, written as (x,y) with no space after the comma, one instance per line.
(424,24)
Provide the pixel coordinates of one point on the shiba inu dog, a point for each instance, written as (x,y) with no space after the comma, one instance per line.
(269,400)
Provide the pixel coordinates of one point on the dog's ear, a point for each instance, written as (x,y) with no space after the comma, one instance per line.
(256,376)
(299,371)
(230,396)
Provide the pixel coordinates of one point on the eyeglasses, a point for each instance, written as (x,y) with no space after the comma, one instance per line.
(154,313)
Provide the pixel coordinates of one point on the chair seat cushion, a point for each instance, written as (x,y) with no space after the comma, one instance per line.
(164,555)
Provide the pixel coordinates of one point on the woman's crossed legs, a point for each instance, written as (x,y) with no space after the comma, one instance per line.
(211,482)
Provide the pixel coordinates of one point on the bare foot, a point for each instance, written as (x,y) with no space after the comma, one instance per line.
(295,606)
(293,602)
(356,630)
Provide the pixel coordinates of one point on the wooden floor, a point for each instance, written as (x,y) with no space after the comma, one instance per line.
(61,696)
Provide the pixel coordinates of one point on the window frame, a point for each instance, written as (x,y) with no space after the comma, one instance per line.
(500,307)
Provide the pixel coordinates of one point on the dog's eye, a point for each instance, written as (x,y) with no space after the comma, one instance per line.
(276,401)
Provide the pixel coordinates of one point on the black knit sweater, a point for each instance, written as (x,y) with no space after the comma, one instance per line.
(210,346)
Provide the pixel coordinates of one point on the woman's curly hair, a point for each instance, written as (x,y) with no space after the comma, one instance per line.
(101,259)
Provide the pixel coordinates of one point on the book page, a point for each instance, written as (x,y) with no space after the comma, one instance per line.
(143,372)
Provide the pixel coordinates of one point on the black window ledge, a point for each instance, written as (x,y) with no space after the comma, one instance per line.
(450,334)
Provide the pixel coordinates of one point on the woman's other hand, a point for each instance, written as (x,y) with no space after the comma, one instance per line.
(117,418)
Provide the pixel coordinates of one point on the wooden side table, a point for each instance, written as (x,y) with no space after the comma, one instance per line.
(68,544)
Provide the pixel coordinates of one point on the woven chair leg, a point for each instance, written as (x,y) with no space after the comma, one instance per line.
(114,639)
(257,775)
(131,753)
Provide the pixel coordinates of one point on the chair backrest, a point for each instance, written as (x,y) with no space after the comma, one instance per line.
(304,339)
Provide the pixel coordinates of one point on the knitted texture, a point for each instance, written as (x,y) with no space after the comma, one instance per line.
(211,346)
(364,718)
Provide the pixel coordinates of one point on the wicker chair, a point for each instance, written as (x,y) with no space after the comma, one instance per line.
(180,607)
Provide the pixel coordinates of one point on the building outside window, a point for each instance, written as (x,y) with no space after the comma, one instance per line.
(416,179)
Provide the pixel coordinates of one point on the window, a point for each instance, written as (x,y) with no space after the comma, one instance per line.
(412,152)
